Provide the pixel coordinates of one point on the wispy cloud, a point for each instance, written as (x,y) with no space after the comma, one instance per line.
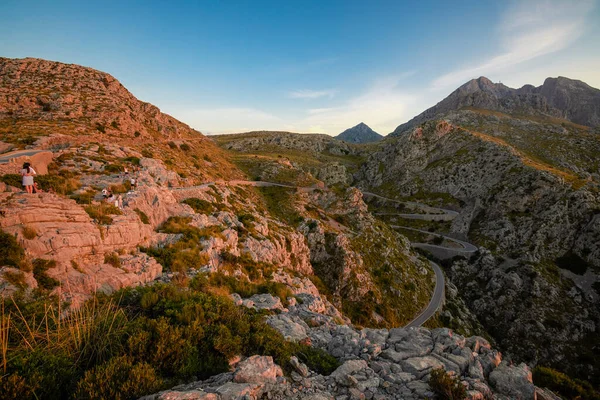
(312,94)
(528,30)
(231,119)
(382,106)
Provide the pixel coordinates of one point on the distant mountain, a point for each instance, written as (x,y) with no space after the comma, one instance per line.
(560,97)
(360,133)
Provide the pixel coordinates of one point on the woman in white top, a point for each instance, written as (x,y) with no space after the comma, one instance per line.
(27,173)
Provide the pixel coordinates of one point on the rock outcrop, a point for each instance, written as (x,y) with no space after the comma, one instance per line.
(375,364)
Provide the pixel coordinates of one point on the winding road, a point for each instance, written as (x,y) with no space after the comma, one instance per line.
(430,214)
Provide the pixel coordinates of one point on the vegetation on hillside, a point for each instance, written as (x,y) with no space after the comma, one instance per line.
(133,343)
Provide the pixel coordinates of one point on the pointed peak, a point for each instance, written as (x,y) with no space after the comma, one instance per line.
(360,133)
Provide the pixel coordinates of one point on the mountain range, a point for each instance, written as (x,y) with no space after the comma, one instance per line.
(561,97)
(283,265)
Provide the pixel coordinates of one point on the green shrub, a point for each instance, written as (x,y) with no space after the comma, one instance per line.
(446,386)
(198,205)
(29,233)
(132,160)
(113,168)
(63,182)
(185,147)
(143,217)
(84,197)
(112,259)
(120,378)
(147,153)
(438,240)
(156,337)
(40,266)
(16,278)
(15,180)
(172,145)
(121,187)
(317,359)
(11,253)
(563,384)
(102,212)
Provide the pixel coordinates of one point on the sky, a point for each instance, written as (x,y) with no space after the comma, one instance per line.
(307,66)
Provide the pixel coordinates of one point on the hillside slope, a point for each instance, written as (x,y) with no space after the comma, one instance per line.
(98,135)
(527,191)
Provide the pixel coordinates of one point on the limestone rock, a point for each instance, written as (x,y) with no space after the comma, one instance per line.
(513,381)
(257,369)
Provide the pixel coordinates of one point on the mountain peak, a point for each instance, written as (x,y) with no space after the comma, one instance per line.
(360,133)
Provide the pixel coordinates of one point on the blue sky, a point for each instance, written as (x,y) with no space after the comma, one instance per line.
(322,66)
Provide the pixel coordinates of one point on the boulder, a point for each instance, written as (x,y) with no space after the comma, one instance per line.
(257,369)
(513,381)
(191,395)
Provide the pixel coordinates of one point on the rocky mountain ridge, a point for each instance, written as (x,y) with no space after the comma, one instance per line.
(560,97)
(307,258)
(360,133)
(83,98)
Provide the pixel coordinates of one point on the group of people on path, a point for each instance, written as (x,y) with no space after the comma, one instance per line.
(118,201)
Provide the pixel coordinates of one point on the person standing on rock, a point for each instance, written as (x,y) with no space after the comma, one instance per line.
(27,173)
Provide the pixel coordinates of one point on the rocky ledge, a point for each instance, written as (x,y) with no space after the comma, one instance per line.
(400,371)
(375,364)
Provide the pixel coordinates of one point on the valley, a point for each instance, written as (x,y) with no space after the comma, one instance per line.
(280,265)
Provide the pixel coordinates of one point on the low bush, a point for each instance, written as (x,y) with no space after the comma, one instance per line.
(62,182)
(151,338)
(11,253)
(113,168)
(40,266)
(15,180)
(446,386)
(143,216)
(185,147)
(200,206)
(120,378)
(147,153)
(564,385)
(121,187)
(29,233)
(132,160)
(112,259)
(84,197)
(101,213)
(16,278)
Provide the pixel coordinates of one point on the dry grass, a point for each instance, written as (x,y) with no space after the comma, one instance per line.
(86,333)
(29,233)
(574,180)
